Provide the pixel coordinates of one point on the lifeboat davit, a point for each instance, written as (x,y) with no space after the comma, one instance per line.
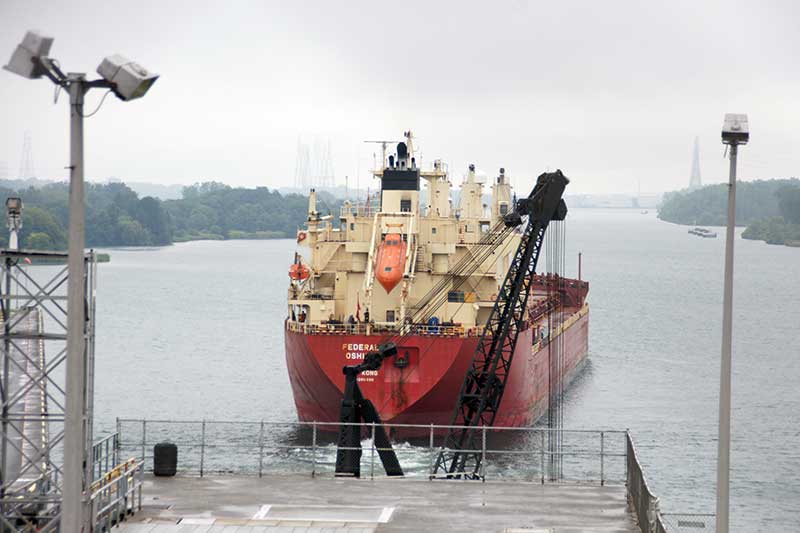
(299,272)
(391,261)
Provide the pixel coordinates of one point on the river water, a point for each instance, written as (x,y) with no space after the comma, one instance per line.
(194,331)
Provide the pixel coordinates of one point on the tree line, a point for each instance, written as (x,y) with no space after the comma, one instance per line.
(769,208)
(116,216)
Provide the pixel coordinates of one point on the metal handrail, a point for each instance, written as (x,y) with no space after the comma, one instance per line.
(596,451)
(117,494)
(105,455)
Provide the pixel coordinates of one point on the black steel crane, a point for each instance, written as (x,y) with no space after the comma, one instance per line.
(484,384)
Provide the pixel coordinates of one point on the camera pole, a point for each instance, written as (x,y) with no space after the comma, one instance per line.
(735,131)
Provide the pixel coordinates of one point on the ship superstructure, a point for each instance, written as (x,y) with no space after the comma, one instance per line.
(355,275)
(365,277)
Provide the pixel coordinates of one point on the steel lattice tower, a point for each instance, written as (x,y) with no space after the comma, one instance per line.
(33,327)
(26,168)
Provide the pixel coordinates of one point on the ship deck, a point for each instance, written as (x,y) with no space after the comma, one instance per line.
(301,503)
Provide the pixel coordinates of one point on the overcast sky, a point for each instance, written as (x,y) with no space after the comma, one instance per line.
(613,93)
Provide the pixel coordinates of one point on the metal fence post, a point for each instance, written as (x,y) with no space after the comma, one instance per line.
(541,466)
(202,446)
(261,450)
(483,453)
(372,455)
(141,482)
(602,446)
(144,439)
(119,441)
(430,447)
(313,448)
(116,449)
(627,459)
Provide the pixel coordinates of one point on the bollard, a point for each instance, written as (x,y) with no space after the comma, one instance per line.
(165,459)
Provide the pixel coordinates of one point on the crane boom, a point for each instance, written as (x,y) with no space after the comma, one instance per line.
(484,383)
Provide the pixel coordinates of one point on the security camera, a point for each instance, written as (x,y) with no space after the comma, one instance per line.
(14,205)
(25,59)
(129,80)
(735,129)
(14,212)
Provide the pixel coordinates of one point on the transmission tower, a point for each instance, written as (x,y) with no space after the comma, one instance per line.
(314,164)
(301,166)
(694,181)
(26,168)
(327,178)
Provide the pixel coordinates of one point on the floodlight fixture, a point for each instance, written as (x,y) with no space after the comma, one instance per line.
(735,129)
(128,79)
(26,59)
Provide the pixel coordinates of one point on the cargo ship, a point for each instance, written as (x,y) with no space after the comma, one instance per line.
(361,280)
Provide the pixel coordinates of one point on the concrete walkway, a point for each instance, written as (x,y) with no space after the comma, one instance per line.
(300,503)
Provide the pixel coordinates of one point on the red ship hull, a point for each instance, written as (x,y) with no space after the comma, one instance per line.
(426,389)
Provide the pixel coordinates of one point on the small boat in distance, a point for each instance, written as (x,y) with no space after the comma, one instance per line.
(702,232)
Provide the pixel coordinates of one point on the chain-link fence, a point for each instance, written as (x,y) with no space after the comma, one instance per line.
(688,523)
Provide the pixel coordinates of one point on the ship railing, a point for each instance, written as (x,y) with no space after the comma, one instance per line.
(325,328)
(360,210)
(360,328)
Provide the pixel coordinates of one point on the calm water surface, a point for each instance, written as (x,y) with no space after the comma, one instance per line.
(195,331)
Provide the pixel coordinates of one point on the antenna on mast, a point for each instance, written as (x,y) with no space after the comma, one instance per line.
(383,155)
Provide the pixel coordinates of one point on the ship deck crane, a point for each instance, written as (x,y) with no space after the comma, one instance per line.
(484,384)
(483,387)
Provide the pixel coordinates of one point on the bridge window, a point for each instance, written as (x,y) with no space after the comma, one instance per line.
(405,206)
(390,315)
(433,231)
(455,296)
(503,209)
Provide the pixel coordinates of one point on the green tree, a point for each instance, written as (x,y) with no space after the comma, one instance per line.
(38,241)
(789,204)
(709,206)
(38,220)
(132,233)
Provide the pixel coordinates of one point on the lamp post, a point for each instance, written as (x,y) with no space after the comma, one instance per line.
(127,80)
(735,131)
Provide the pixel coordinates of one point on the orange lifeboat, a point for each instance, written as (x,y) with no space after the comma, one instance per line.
(391,261)
(299,271)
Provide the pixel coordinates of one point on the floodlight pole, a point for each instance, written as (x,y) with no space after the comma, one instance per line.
(724,441)
(75,502)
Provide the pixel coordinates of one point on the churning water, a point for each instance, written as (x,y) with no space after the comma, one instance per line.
(194,331)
